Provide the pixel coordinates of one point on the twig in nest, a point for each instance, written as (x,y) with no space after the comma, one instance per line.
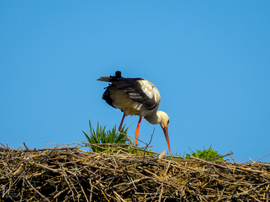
(36,190)
(81,188)
(2,145)
(229,154)
(262,158)
(149,142)
(161,192)
(25,145)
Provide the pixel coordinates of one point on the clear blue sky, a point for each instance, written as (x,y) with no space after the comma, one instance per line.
(210,61)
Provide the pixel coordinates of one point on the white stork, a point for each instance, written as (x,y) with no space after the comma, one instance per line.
(136,96)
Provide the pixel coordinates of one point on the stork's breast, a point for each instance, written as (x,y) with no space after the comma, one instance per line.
(122,101)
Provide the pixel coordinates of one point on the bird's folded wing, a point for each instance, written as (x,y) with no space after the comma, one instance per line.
(139,91)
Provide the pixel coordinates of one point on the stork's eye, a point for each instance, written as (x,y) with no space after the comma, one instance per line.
(168,122)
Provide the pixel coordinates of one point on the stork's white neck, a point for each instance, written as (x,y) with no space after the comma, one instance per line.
(155,117)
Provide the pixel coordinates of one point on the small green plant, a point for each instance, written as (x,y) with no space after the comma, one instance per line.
(205,154)
(100,136)
(141,152)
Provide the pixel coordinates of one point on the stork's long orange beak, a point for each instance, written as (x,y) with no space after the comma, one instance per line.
(165,130)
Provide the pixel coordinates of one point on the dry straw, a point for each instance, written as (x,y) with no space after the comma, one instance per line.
(71,174)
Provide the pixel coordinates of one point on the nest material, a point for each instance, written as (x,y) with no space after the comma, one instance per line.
(71,174)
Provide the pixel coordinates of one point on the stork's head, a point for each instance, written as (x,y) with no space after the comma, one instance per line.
(163,120)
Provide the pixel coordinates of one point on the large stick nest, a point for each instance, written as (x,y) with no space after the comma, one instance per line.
(71,174)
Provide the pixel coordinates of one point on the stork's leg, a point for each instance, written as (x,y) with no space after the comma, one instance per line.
(137,131)
(120,127)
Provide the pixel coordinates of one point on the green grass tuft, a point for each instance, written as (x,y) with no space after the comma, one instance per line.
(100,136)
(205,154)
